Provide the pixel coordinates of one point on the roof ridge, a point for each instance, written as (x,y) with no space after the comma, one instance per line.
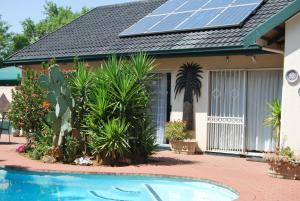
(133,2)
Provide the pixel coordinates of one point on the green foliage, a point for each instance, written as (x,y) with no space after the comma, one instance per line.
(81,85)
(27,109)
(59,97)
(274,119)
(41,144)
(110,141)
(176,130)
(71,147)
(5,40)
(121,93)
(189,78)
(287,151)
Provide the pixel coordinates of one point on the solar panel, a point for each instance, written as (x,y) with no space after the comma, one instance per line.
(184,15)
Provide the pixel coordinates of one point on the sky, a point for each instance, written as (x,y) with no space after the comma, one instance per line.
(15,11)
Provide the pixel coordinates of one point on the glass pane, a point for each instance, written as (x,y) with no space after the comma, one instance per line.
(192,5)
(143,25)
(218,3)
(242,2)
(200,19)
(168,7)
(170,22)
(233,16)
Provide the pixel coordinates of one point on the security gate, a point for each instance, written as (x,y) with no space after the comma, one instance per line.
(226,120)
(238,106)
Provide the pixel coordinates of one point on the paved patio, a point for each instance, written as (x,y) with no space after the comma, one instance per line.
(250,179)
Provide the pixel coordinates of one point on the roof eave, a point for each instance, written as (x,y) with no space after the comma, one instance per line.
(272,22)
(159,53)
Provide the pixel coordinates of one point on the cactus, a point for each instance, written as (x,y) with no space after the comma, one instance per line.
(59,97)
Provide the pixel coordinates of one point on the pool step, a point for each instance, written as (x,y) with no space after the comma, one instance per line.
(152,191)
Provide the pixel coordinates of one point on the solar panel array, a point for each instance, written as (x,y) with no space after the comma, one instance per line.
(186,15)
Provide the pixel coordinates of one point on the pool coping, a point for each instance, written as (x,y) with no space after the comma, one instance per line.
(166,176)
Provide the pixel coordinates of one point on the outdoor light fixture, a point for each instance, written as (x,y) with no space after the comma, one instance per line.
(253,58)
(227,59)
(292,76)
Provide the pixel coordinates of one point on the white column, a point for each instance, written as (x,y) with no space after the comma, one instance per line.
(290,97)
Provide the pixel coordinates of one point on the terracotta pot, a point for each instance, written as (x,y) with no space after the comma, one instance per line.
(284,169)
(185,147)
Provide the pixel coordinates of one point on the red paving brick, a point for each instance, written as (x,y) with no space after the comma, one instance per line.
(250,179)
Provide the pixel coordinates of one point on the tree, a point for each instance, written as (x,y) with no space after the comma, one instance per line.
(5,40)
(189,78)
(55,17)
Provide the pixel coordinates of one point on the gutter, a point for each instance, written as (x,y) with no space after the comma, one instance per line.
(235,50)
(272,22)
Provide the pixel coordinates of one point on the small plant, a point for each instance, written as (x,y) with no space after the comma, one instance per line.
(71,146)
(176,130)
(274,119)
(287,151)
(111,141)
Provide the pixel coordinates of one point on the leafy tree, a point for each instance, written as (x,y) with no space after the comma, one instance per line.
(5,40)
(189,78)
(55,17)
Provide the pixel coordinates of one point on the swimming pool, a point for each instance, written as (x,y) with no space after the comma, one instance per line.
(33,186)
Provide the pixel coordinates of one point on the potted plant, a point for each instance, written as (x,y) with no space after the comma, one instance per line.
(284,164)
(176,132)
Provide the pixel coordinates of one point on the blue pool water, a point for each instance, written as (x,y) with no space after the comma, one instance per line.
(33,186)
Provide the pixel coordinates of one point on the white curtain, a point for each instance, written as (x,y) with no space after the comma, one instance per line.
(159,105)
(263,87)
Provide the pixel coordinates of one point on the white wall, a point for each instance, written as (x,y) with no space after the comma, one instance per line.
(290,96)
(7,91)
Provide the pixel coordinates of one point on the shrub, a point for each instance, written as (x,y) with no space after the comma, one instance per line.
(71,146)
(287,151)
(28,109)
(176,130)
(121,96)
(110,142)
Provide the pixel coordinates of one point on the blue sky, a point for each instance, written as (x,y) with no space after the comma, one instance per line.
(15,11)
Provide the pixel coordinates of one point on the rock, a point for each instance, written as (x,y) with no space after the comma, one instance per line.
(48,159)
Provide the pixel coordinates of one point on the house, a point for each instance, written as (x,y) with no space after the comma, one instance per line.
(9,78)
(248,50)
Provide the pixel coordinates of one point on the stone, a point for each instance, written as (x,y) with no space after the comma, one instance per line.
(48,159)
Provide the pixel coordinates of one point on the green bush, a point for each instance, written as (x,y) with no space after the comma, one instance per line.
(287,151)
(71,146)
(122,96)
(176,130)
(28,107)
(110,141)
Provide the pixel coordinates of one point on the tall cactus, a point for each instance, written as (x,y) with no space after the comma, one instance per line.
(59,96)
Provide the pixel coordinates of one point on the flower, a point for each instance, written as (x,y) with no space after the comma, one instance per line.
(46,105)
(21,148)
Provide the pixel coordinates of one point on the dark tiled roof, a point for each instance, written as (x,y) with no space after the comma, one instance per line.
(96,33)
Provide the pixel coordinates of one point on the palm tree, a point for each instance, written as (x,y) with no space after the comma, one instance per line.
(189,78)
(274,119)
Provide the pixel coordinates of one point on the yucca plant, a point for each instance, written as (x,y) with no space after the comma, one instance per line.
(189,78)
(274,119)
(111,141)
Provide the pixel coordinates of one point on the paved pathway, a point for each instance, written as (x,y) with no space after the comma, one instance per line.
(250,179)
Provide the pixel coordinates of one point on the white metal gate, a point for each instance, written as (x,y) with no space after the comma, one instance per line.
(226,120)
(238,106)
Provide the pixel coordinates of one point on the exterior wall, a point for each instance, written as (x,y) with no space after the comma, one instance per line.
(7,91)
(171,65)
(210,63)
(290,97)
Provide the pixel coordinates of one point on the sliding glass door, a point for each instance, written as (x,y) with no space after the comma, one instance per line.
(238,106)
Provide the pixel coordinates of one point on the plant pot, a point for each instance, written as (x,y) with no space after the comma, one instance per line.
(182,146)
(283,168)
